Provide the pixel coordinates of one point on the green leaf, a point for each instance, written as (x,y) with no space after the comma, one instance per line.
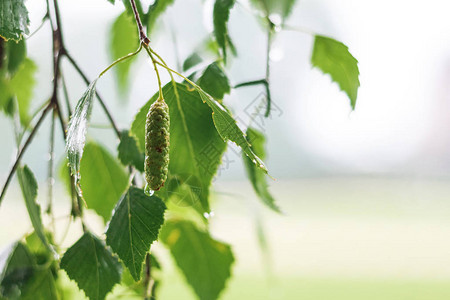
(214,81)
(29,188)
(221,14)
(270,7)
(5,93)
(193,60)
(124,40)
(103,179)
(16,267)
(40,287)
(92,266)
(195,146)
(256,176)
(156,10)
(205,262)
(129,153)
(76,132)
(13,19)
(228,129)
(38,248)
(22,85)
(333,57)
(112,1)
(16,53)
(134,227)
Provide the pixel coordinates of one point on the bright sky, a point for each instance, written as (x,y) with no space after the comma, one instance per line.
(403,48)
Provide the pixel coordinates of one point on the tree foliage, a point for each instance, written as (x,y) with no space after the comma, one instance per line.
(111,182)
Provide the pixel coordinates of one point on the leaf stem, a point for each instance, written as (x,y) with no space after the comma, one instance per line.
(162,60)
(120,60)
(22,151)
(179,74)
(161,96)
(102,103)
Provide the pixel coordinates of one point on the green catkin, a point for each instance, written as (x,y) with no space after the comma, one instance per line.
(157,145)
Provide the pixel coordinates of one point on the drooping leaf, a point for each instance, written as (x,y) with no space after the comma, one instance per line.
(29,188)
(193,60)
(134,227)
(221,14)
(129,153)
(156,10)
(103,179)
(228,129)
(333,58)
(205,262)
(76,132)
(22,85)
(195,146)
(279,7)
(15,53)
(256,176)
(214,81)
(41,286)
(124,40)
(16,268)
(92,266)
(112,1)
(13,19)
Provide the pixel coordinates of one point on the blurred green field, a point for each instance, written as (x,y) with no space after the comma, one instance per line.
(340,238)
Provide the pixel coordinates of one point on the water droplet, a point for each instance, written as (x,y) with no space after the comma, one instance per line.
(261,166)
(148,191)
(276,54)
(277,28)
(208,215)
(276,19)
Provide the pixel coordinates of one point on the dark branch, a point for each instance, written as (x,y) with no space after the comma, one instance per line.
(22,151)
(142,36)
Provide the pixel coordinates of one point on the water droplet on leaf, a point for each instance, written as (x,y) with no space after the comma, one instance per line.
(276,19)
(208,215)
(148,191)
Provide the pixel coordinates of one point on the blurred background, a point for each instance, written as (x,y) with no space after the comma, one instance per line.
(365,193)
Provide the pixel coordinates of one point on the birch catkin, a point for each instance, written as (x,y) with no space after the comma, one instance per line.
(157,138)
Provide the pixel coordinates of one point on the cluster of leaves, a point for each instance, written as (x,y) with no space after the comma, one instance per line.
(200,127)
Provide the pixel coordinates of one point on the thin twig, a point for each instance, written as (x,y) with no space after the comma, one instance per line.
(51,179)
(142,36)
(22,151)
(66,96)
(250,83)
(269,46)
(45,18)
(51,152)
(148,281)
